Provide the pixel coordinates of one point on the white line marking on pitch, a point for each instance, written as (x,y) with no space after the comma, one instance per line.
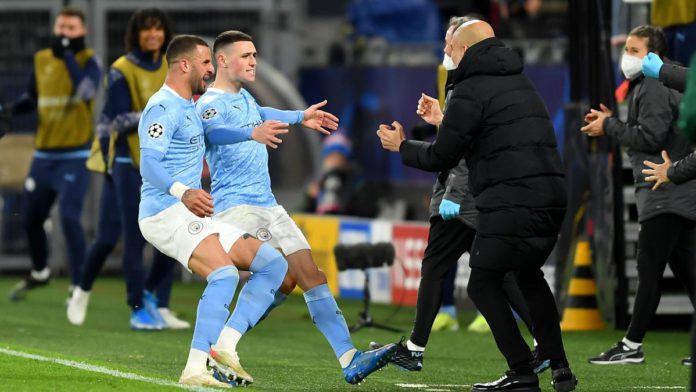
(104,370)
(433,387)
(682,388)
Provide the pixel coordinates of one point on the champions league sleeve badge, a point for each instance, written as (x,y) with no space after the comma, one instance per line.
(209,113)
(155,130)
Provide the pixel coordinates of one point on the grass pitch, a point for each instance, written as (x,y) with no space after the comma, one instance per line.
(283,353)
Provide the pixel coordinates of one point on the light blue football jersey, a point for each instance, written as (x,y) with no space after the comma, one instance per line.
(170,125)
(239,172)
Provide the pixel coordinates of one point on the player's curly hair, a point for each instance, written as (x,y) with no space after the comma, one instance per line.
(145,19)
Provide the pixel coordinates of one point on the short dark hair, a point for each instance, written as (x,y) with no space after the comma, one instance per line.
(657,43)
(182,45)
(145,19)
(72,11)
(229,37)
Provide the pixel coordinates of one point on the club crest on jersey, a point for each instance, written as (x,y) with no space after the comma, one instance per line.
(155,130)
(195,227)
(209,113)
(263,235)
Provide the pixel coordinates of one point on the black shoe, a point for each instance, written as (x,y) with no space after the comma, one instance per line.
(511,381)
(19,292)
(403,358)
(686,361)
(537,364)
(619,354)
(563,380)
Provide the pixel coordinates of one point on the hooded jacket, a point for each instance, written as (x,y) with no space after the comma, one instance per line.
(499,123)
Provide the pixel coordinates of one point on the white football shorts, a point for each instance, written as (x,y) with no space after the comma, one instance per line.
(272,225)
(176,232)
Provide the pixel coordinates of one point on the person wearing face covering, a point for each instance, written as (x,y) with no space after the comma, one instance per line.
(667,215)
(132,80)
(62,88)
(497,120)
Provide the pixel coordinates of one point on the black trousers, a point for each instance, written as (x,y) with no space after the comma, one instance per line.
(447,241)
(664,239)
(525,258)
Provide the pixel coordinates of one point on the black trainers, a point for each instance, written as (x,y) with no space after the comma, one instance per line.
(403,358)
(19,292)
(686,361)
(563,380)
(538,364)
(511,381)
(618,354)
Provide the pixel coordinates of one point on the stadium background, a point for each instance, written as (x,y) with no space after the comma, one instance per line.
(371,60)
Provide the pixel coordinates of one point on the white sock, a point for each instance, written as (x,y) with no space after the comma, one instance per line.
(229,337)
(413,347)
(347,356)
(630,344)
(41,275)
(196,361)
(535,343)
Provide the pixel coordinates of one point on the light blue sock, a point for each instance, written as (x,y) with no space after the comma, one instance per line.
(328,318)
(213,308)
(449,309)
(269,268)
(280,297)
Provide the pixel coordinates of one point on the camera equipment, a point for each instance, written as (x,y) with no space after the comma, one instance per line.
(363,256)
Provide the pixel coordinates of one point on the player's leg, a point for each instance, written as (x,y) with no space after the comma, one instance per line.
(268,269)
(195,243)
(74,183)
(323,309)
(108,231)
(446,318)
(39,195)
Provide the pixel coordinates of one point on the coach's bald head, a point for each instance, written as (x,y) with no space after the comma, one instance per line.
(468,35)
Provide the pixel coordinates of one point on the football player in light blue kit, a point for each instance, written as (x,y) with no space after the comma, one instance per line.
(175,214)
(241,188)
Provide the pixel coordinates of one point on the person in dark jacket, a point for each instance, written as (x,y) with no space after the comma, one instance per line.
(497,121)
(674,77)
(667,215)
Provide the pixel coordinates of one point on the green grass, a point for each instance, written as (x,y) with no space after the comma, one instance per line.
(285,352)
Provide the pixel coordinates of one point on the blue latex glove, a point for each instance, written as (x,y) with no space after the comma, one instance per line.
(651,66)
(449,209)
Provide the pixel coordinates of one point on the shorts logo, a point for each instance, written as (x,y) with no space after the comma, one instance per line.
(263,235)
(155,130)
(195,227)
(209,113)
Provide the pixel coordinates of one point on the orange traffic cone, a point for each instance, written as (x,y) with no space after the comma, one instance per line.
(581,312)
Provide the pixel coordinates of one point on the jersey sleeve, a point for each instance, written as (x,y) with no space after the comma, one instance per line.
(212,113)
(157,127)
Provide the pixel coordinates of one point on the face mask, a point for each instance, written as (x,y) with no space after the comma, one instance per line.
(631,66)
(59,43)
(448,63)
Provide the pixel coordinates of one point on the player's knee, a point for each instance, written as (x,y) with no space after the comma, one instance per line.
(227,276)
(268,258)
(289,283)
(475,288)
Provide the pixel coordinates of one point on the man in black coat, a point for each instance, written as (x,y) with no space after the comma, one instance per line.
(498,122)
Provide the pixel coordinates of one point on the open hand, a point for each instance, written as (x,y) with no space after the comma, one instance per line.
(319,120)
(658,171)
(267,133)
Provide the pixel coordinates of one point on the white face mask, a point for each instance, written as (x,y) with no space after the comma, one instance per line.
(631,66)
(448,63)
